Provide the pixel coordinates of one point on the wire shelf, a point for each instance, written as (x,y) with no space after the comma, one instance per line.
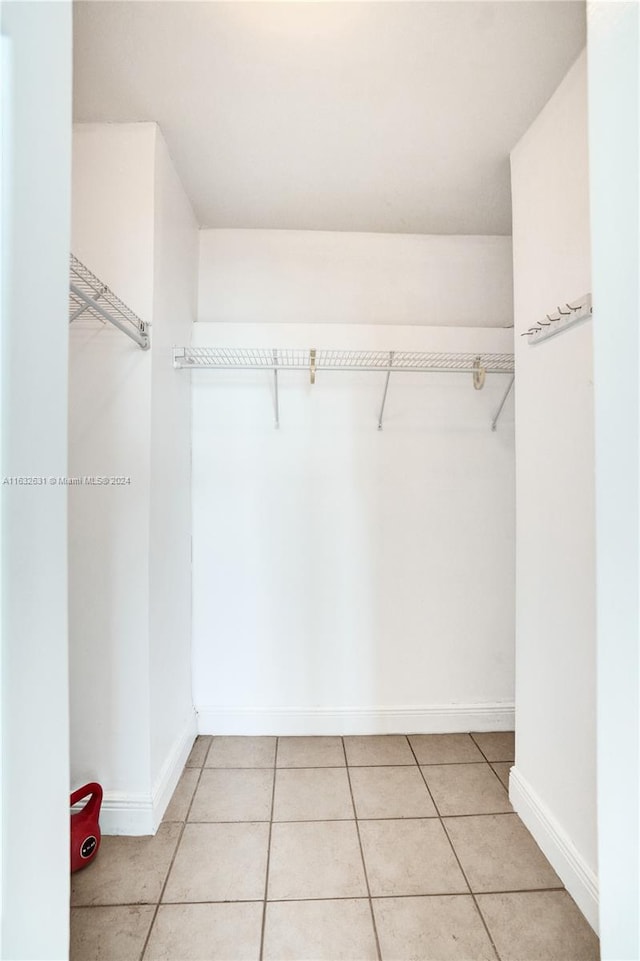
(89,297)
(245,358)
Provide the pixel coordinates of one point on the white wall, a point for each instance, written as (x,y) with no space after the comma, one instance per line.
(130,596)
(298,276)
(175,289)
(554,785)
(36,155)
(614,122)
(347,579)
(109,417)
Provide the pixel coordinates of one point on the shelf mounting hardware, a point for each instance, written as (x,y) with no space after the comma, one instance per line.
(576,313)
(275,383)
(386,388)
(312,365)
(89,296)
(494,422)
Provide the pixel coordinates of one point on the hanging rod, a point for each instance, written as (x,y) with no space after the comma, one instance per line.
(568,316)
(312,360)
(90,297)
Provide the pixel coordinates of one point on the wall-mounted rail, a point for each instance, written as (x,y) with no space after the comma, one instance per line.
(567,316)
(89,297)
(314,361)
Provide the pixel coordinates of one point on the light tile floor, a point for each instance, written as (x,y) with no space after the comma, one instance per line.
(332,849)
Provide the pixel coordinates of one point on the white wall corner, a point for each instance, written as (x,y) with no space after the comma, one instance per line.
(574,872)
(171,770)
(140,814)
(432,719)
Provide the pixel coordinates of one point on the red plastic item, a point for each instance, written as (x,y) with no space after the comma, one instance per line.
(85,830)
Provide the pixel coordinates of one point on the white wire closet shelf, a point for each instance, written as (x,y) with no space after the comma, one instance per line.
(230,358)
(312,360)
(89,297)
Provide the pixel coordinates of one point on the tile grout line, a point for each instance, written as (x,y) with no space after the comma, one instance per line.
(364,864)
(175,851)
(492,763)
(455,854)
(432,817)
(266,878)
(340,767)
(378,897)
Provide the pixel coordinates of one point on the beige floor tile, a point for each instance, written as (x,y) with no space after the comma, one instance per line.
(310,752)
(312,794)
(445,748)
(219,862)
(409,857)
(466,789)
(319,859)
(503,769)
(319,931)
(109,934)
(178,806)
(233,794)
(497,853)
(127,870)
(206,932)
(538,926)
(440,928)
(497,745)
(378,749)
(198,751)
(390,792)
(242,752)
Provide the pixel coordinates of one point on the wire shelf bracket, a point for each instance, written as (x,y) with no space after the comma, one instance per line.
(90,297)
(314,360)
(568,316)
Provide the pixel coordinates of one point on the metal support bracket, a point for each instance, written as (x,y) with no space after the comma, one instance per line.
(86,306)
(141,337)
(494,422)
(386,388)
(275,384)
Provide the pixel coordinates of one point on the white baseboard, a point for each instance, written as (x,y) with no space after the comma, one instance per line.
(171,770)
(435,719)
(140,814)
(576,875)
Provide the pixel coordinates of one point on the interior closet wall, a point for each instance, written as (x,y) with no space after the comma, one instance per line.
(347,579)
(554,785)
(130,601)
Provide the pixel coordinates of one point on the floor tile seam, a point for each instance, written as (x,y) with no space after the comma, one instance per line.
(505,760)
(458,861)
(491,763)
(266,879)
(502,784)
(362,858)
(497,892)
(173,856)
(350,764)
(315,820)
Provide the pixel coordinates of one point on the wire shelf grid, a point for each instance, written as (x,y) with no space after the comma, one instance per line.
(90,298)
(239,358)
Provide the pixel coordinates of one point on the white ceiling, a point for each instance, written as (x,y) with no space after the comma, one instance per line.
(374,116)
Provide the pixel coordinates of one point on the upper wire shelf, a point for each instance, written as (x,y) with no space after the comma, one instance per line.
(90,297)
(229,358)
(313,360)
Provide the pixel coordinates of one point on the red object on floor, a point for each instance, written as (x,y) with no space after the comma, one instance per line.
(85,830)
